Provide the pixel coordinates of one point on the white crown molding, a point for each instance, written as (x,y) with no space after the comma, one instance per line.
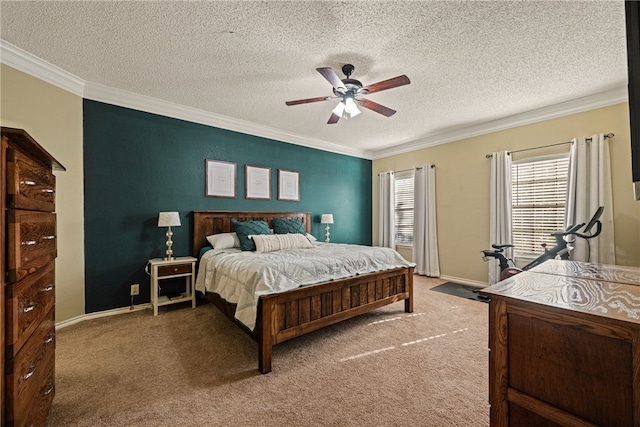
(27,63)
(43,70)
(23,61)
(579,105)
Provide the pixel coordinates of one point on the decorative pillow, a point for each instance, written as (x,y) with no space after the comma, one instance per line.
(311,238)
(203,251)
(288,226)
(224,240)
(276,242)
(246,228)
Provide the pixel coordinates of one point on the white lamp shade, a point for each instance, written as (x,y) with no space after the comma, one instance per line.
(169,219)
(326,219)
(339,109)
(351,108)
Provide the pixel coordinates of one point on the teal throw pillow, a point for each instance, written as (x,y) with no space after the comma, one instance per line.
(244,229)
(288,226)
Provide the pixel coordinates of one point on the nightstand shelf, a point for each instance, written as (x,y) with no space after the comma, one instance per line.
(161,269)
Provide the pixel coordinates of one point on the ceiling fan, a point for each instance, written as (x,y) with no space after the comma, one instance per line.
(350,92)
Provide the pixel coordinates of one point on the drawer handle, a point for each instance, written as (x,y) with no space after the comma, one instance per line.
(30,373)
(50,390)
(30,308)
(50,338)
(175,269)
(48,190)
(35,242)
(31,183)
(48,288)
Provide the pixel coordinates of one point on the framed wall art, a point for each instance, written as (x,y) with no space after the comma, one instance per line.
(221,179)
(257,182)
(288,185)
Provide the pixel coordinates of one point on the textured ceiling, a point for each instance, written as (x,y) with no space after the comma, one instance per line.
(469,62)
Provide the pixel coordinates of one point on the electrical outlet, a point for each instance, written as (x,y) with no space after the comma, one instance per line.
(135,289)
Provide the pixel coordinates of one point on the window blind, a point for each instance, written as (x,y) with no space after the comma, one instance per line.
(404,208)
(539,188)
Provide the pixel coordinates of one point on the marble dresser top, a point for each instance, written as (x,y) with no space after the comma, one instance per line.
(604,290)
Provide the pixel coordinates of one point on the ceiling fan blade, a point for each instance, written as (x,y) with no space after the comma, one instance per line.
(374,106)
(308,100)
(333,119)
(387,84)
(331,76)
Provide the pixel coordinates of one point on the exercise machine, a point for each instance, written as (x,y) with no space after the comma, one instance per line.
(564,240)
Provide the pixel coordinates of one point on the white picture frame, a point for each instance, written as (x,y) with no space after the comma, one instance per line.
(257,182)
(288,185)
(220,179)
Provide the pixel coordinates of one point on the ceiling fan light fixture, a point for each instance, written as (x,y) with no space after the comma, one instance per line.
(350,109)
(339,110)
(348,89)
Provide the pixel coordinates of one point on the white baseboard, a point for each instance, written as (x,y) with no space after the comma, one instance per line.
(99,314)
(464,281)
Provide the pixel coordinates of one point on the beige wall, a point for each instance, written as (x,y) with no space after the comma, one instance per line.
(462,185)
(53,117)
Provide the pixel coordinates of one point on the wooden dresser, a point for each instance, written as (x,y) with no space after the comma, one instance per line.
(27,268)
(564,343)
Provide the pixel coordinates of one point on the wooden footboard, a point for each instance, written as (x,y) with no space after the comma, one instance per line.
(299,311)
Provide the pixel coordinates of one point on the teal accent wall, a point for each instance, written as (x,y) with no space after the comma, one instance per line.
(137,164)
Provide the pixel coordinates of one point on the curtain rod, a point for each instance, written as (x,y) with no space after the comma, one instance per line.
(410,169)
(488,156)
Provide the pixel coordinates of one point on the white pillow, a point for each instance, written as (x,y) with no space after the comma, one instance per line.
(311,237)
(276,242)
(224,240)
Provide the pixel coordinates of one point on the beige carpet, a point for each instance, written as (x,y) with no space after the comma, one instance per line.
(193,367)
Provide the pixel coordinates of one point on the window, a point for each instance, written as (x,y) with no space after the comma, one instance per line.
(404,208)
(539,187)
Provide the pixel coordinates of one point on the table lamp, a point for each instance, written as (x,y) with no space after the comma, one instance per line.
(169,219)
(326,219)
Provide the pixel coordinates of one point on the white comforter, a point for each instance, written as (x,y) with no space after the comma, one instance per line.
(241,277)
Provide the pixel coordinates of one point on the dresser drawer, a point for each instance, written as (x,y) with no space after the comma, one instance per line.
(30,185)
(30,375)
(169,270)
(38,410)
(31,243)
(27,303)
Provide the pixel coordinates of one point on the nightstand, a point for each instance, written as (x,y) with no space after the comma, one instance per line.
(178,267)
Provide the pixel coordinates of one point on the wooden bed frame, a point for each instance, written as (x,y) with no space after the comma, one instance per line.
(290,314)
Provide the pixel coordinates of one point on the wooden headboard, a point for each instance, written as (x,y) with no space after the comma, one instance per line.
(206,223)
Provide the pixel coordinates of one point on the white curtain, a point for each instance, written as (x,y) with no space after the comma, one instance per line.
(386,217)
(588,188)
(500,208)
(425,238)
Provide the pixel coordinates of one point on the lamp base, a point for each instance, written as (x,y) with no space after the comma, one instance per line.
(169,254)
(326,234)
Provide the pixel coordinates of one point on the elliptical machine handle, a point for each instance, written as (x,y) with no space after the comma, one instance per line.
(598,229)
(591,236)
(574,228)
(570,230)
